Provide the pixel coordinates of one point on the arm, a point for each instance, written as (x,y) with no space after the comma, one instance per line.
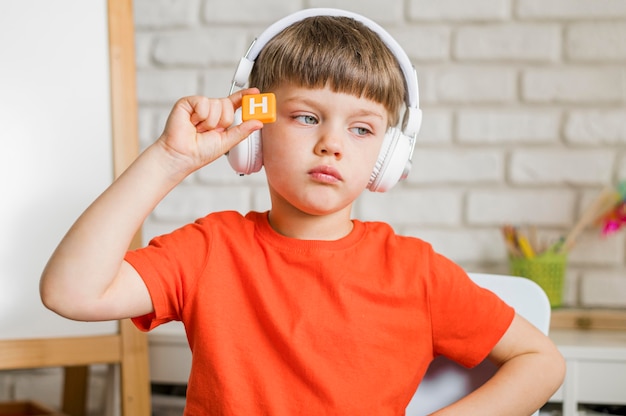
(530,370)
(87,278)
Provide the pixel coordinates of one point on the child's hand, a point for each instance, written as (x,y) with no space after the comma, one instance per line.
(198,129)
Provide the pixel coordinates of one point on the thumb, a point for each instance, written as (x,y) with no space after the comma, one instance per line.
(235,134)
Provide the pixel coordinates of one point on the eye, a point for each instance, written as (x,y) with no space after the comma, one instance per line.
(361,131)
(306,119)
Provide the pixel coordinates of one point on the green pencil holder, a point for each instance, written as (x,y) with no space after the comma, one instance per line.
(547,270)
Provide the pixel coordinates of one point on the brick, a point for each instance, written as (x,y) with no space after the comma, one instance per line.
(464,245)
(436,127)
(621,168)
(570,9)
(588,196)
(165,87)
(468,84)
(383,12)
(473,10)
(540,207)
(200,48)
(457,166)
(560,166)
(428,43)
(571,287)
(604,289)
(574,85)
(592,249)
(596,127)
(143,49)
(512,42)
(161,115)
(216,82)
(188,202)
(165,13)
(151,121)
(596,41)
(403,205)
(505,126)
(248,11)
(145,127)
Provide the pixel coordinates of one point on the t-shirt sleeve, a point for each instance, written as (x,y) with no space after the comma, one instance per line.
(467,320)
(169,269)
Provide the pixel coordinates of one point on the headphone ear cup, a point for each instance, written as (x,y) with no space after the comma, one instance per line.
(246,157)
(394,161)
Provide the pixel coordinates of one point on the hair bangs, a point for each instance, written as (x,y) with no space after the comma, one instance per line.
(337,52)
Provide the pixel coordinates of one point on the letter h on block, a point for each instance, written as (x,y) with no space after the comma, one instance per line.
(259,107)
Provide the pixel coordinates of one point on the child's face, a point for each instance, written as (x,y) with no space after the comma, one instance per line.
(320,152)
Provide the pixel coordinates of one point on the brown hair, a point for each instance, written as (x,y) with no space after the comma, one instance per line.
(336,51)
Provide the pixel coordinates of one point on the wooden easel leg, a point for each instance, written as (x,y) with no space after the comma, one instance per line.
(135,373)
(75,390)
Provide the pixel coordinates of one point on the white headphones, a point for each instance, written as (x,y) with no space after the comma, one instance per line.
(394,159)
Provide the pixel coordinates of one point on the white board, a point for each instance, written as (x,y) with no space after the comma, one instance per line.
(55,154)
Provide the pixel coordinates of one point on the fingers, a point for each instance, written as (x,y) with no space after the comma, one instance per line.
(211,114)
(202,128)
(237,133)
(237,96)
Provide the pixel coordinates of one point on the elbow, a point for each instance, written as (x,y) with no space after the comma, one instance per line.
(554,369)
(50,298)
(64,307)
(560,369)
(57,299)
(49,290)
(70,302)
(46,293)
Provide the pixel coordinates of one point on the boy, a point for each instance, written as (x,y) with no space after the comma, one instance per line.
(299,310)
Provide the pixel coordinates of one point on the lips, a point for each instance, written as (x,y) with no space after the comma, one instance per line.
(326,174)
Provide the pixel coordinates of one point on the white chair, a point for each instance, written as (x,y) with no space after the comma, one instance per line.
(445,381)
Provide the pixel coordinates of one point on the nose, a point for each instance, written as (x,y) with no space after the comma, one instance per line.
(330,143)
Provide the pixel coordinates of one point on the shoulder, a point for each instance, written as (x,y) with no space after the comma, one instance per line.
(228,221)
(418,256)
(219,225)
(223,218)
(408,255)
(383,234)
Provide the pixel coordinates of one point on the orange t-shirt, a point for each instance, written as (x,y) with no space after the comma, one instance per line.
(279,326)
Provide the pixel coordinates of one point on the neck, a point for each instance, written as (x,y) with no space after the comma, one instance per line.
(303,226)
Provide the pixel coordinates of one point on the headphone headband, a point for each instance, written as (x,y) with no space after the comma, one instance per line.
(412,116)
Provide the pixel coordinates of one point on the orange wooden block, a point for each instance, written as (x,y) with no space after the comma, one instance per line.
(259,107)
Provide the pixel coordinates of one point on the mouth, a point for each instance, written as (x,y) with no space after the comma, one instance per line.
(325,174)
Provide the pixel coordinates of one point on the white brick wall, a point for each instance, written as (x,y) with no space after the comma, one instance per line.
(495,125)
(454,10)
(571,84)
(571,9)
(597,42)
(525,119)
(509,41)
